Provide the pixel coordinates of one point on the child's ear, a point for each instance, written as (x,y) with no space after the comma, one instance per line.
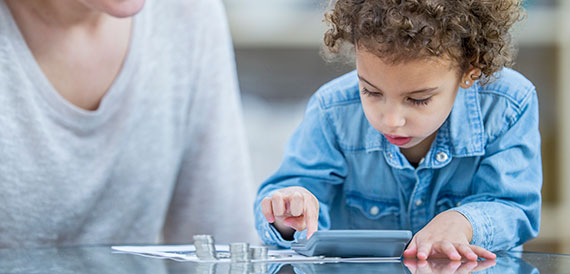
(469,77)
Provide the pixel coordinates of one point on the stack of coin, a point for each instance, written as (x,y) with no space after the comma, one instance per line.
(239,252)
(205,248)
(240,268)
(258,253)
(206,268)
(260,268)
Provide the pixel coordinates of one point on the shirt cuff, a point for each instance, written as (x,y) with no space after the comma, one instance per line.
(270,235)
(480,223)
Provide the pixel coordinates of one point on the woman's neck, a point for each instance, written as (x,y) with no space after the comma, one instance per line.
(80,50)
(57,13)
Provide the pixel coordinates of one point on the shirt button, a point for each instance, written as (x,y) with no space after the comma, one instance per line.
(374,210)
(419,202)
(458,204)
(441,157)
(390,155)
(267,235)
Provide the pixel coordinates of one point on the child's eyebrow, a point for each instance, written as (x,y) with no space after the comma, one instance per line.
(407,93)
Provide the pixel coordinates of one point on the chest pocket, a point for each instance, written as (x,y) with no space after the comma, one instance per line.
(372,214)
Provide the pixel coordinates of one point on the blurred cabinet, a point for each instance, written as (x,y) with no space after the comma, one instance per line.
(544,57)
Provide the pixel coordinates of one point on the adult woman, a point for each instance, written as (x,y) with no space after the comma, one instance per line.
(115,127)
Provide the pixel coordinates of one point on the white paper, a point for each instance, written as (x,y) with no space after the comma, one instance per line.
(187,253)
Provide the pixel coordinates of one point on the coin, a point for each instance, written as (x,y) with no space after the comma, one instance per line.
(239,252)
(258,253)
(205,247)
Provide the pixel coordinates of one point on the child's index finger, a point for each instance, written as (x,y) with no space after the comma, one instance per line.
(296,204)
(411,251)
(311,219)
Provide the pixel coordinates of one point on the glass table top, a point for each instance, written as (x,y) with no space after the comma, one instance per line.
(101,259)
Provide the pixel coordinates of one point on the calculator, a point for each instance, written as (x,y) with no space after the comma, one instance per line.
(354,243)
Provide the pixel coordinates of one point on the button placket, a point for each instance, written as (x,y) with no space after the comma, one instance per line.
(414,210)
(418,202)
(374,210)
(422,160)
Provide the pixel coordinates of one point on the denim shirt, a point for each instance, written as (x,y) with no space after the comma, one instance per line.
(485,163)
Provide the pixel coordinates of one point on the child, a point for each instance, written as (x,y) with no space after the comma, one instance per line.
(431,133)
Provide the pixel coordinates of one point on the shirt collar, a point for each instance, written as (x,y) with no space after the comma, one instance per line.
(465,124)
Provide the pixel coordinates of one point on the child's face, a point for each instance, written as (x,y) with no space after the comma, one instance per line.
(409,101)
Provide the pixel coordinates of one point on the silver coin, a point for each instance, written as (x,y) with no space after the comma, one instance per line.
(260,268)
(259,253)
(240,268)
(206,268)
(239,252)
(205,247)
(203,238)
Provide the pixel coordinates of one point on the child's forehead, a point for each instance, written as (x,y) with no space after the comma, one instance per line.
(398,59)
(404,76)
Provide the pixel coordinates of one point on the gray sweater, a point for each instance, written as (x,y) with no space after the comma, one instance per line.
(162,158)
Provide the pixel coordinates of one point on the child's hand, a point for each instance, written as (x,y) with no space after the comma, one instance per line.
(290,209)
(447,235)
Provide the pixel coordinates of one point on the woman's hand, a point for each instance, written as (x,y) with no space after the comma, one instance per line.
(447,235)
(290,209)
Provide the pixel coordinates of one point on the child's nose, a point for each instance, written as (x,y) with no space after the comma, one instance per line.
(393,118)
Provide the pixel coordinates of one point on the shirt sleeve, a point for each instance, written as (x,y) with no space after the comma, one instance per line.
(311,160)
(504,209)
(214,190)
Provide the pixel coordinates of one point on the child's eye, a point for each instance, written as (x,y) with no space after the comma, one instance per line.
(419,102)
(370,93)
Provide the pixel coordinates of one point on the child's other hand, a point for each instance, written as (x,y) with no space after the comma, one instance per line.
(447,235)
(290,209)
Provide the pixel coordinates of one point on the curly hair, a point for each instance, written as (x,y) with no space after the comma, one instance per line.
(469,32)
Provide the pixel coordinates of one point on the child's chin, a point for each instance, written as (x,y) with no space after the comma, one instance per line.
(410,144)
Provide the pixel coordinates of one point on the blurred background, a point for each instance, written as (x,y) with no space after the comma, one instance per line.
(277,51)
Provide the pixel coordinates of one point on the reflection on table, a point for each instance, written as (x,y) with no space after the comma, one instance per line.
(101,259)
(505,263)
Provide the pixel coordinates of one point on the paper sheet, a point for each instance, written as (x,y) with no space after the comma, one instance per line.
(187,253)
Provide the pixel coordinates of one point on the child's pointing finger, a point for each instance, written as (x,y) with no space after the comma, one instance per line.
(297,204)
(311,218)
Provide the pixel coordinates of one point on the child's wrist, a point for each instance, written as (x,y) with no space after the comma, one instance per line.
(466,224)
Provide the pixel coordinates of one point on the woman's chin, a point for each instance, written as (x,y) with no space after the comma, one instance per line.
(127,9)
(117,8)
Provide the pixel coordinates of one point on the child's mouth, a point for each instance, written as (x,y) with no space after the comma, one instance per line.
(397,140)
